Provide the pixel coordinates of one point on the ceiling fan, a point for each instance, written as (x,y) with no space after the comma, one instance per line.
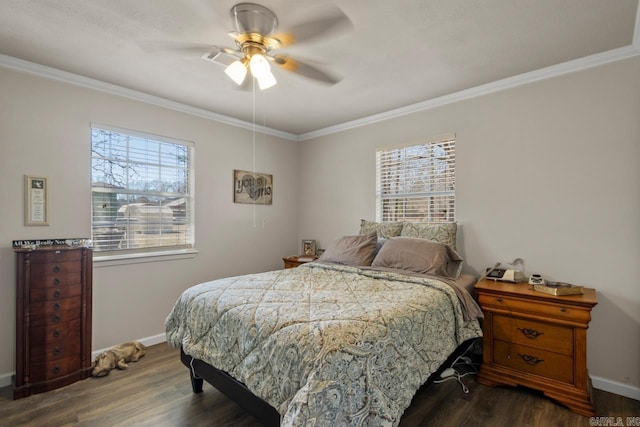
(255,36)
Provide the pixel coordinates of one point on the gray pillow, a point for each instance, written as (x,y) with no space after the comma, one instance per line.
(420,256)
(383,229)
(444,232)
(351,250)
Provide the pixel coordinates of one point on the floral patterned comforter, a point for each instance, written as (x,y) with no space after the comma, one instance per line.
(324,344)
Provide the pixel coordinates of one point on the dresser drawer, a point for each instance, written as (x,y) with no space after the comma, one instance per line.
(56,317)
(540,335)
(550,310)
(55,334)
(58,349)
(533,360)
(54,256)
(55,293)
(55,306)
(47,370)
(55,274)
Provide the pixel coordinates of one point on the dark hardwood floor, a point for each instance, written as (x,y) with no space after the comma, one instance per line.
(157,392)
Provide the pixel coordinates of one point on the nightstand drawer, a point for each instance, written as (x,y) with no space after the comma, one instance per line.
(296,261)
(546,309)
(532,360)
(535,334)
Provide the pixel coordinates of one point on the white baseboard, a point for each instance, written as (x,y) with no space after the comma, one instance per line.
(148,341)
(615,387)
(6,379)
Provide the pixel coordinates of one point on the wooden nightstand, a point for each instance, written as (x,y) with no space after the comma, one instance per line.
(294,261)
(538,341)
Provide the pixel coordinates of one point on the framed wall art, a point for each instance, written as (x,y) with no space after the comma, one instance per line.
(36,200)
(252,187)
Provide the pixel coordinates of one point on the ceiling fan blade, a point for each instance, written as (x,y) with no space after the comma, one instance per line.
(332,22)
(171,46)
(304,69)
(222,55)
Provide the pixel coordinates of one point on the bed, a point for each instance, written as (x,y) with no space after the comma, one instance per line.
(347,340)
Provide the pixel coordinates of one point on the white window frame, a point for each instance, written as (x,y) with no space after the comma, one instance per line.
(156,236)
(416,182)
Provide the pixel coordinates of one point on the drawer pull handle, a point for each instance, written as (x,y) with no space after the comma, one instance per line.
(56,269)
(56,369)
(56,281)
(56,333)
(56,306)
(56,351)
(562,309)
(57,318)
(529,359)
(530,333)
(57,294)
(499,299)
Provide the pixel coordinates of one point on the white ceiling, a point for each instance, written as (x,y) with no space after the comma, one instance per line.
(397,53)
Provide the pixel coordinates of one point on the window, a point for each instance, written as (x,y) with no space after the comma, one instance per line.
(141,192)
(417,182)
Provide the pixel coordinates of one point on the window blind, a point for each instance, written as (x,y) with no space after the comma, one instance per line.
(141,192)
(416,182)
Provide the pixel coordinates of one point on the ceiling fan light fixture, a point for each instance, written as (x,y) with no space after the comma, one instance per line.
(261,70)
(259,65)
(266,80)
(237,71)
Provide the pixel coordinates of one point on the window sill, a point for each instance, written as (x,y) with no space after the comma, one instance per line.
(140,258)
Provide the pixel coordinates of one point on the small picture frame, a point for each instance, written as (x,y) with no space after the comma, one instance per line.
(309,247)
(36,200)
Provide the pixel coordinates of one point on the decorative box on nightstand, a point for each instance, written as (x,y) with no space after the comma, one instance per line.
(297,260)
(537,340)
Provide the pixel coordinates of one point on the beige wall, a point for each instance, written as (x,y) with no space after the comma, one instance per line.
(45,130)
(548,172)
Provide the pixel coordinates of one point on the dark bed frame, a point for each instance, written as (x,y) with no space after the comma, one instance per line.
(265,413)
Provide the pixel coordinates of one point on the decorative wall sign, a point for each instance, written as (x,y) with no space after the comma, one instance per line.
(36,199)
(252,187)
(34,244)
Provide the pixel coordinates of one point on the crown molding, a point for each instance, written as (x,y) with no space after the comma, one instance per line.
(499,85)
(485,89)
(511,82)
(112,89)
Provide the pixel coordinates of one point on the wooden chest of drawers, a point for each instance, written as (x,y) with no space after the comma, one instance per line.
(538,341)
(53,318)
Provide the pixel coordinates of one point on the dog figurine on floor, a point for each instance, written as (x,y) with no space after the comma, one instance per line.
(118,357)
